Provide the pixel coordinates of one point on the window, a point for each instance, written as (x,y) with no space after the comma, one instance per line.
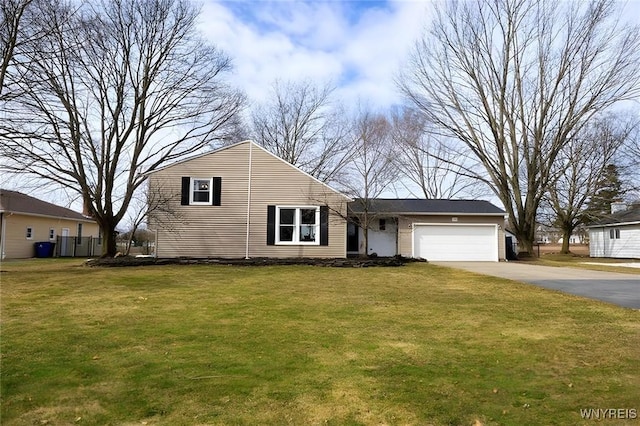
(79,239)
(29,233)
(297,225)
(614,234)
(201,191)
(52,234)
(383,224)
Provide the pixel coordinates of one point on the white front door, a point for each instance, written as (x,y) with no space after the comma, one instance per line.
(383,237)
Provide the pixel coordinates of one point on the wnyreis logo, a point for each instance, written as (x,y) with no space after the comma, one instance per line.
(608,413)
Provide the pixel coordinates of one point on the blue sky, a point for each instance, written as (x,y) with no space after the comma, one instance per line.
(359,46)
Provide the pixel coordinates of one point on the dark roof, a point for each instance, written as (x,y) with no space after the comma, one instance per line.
(16,202)
(630,215)
(421,206)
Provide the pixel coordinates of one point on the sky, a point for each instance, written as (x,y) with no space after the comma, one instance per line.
(357,46)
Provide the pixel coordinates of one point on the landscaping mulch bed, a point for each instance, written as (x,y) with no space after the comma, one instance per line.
(355,262)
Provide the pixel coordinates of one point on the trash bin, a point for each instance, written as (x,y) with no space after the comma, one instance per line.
(44,249)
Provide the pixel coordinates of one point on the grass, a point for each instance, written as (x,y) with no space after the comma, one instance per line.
(573,261)
(182,345)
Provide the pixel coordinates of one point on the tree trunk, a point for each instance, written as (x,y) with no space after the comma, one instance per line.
(365,231)
(109,248)
(565,242)
(566,234)
(526,234)
(527,247)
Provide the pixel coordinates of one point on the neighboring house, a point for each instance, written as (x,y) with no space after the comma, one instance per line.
(243,201)
(616,236)
(25,220)
(436,230)
(547,234)
(551,235)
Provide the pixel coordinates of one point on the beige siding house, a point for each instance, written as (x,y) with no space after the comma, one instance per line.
(25,221)
(242,201)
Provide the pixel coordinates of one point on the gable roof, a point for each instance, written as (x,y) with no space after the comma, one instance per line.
(630,216)
(422,206)
(255,145)
(17,202)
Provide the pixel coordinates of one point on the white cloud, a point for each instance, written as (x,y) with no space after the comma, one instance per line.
(357,45)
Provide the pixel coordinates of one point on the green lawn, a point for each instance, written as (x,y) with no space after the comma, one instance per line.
(183,345)
(585,262)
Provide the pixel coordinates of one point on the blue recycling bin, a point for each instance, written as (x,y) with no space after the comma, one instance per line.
(44,249)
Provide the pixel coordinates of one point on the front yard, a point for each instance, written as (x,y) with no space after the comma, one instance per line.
(297,345)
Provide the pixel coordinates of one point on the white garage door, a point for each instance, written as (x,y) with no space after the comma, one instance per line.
(456,242)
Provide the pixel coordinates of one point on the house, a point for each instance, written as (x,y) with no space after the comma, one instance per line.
(25,221)
(618,235)
(243,201)
(436,230)
(546,234)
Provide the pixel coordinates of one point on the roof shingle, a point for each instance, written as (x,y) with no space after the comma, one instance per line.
(17,202)
(630,215)
(422,206)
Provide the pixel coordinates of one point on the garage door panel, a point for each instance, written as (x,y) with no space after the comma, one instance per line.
(456,242)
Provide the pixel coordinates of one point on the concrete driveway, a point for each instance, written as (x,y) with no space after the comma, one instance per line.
(612,287)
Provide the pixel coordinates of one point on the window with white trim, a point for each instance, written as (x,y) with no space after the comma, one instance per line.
(614,234)
(201,191)
(52,233)
(29,233)
(298,225)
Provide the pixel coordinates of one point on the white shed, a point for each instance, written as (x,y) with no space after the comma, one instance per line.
(618,236)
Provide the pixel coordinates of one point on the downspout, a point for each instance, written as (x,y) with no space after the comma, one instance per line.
(155,249)
(246,251)
(2,236)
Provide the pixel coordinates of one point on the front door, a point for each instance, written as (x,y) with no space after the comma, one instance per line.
(64,247)
(352,237)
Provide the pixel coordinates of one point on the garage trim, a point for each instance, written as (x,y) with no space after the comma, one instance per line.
(496,249)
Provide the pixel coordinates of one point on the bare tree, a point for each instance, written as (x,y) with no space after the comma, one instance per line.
(300,125)
(113,91)
(580,166)
(22,24)
(371,170)
(629,161)
(515,80)
(147,203)
(433,164)
(12,34)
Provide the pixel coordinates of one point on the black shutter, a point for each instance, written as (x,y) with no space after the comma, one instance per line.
(186,187)
(217,190)
(324,225)
(271,225)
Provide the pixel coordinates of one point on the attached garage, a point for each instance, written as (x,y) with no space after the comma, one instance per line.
(436,230)
(456,242)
